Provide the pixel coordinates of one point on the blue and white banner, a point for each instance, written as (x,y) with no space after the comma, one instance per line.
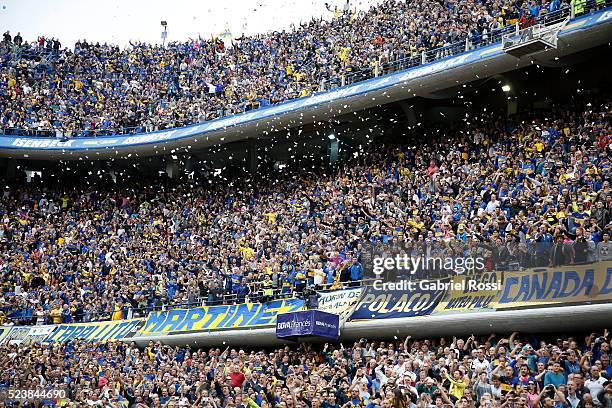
(308,323)
(96,331)
(28,334)
(377,304)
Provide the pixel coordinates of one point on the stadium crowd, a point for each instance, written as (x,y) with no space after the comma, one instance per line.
(100,89)
(529,191)
(521,371)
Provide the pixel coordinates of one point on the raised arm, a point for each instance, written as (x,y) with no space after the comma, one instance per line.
(444,395)
(406,348)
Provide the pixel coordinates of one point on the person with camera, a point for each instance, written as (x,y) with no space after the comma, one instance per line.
(550,397)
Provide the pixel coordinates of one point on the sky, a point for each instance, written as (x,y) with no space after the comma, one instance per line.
(119,21)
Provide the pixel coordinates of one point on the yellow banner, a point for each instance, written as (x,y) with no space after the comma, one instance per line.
(471,293)
(219,317)
(577,283)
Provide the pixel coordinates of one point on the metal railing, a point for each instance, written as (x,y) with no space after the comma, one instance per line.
(27,317)
(510,256)
(581,7)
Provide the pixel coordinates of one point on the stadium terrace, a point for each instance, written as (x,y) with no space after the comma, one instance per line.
(253,273)
(93,89)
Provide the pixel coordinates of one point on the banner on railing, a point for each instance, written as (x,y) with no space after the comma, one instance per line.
(3,332)
(462,298)
(376,304)
(340,302)
(96,331)
(308,323)
(568,284)
(530,288)
(28,334)
(243,316)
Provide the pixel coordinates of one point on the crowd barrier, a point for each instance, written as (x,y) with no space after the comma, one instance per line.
(529,289)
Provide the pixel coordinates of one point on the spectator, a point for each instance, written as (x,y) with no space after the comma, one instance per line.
(555,376)
(66,314)
(56,314)
(104,247)
(595,384)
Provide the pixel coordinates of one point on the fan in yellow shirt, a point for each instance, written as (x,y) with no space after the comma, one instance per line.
(56,315)
(457,384)
(344,54)
(416,226)
(247,252)
(538,146)
(117,312)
